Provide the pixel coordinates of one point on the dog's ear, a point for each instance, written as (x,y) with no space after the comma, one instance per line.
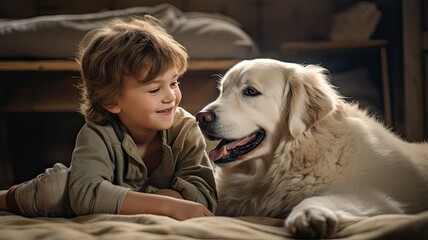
(311,98)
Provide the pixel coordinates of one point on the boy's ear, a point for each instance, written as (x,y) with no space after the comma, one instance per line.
(113,108)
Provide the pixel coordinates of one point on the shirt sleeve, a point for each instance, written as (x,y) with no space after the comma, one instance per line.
(92,173)
(194,177)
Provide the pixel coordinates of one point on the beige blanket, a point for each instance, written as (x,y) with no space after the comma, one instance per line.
(108,226)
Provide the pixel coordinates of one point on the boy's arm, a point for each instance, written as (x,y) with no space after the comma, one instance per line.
(146,203)
(92,172)
(194,178)
(169,192)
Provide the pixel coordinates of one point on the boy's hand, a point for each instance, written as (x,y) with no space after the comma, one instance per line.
(163,203)
(181,209)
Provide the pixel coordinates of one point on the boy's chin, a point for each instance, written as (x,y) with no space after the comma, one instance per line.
(165,125)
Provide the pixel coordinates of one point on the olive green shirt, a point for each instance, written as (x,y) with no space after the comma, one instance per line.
(105,165)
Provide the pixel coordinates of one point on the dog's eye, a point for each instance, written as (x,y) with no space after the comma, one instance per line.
(250,91)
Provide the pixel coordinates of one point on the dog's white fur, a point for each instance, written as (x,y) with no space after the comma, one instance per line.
(324,163)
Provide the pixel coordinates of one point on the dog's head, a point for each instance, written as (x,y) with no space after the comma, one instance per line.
(261,100)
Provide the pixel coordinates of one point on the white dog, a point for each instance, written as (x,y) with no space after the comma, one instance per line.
(291,147)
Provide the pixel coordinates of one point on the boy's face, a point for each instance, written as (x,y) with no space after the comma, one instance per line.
(151,105)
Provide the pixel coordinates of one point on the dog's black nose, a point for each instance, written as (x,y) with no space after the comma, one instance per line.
(205,117)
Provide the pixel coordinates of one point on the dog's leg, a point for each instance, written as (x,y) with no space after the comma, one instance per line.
(323,216)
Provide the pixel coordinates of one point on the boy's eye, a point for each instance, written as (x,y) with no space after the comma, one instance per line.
(175,84)
(154,90)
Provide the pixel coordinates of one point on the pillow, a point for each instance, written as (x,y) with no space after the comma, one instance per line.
(205,36)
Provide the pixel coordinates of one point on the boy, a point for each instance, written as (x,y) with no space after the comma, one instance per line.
(138,152)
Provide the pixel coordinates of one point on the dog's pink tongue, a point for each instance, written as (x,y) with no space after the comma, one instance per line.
(216,154)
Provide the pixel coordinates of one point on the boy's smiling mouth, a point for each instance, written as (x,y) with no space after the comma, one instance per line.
(165,111)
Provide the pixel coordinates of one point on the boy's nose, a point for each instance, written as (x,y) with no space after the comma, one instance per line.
(170,96)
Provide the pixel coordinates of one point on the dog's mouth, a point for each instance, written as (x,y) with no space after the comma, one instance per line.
(229,150)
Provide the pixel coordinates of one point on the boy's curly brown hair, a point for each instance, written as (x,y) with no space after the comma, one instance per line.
(137,47)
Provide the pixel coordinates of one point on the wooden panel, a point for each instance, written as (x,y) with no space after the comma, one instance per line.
(6,171)
(41,93)
(426,91)
(425,52)
(414,110)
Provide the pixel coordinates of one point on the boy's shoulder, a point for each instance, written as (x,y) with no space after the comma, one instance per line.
(183,123)
(98,127)
(107,131)
(183,118)
(181,113)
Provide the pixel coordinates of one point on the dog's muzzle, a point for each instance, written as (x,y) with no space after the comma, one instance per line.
(228,150)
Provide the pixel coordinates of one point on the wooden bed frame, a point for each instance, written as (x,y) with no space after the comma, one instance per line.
(71,65)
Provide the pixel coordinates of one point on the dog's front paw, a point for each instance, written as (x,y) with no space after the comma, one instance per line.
(311,222)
